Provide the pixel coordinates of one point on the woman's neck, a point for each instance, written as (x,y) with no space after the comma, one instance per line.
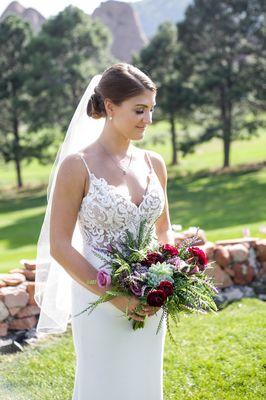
(116,144)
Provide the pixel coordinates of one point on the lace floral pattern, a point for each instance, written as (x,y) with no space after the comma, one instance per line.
(105,214)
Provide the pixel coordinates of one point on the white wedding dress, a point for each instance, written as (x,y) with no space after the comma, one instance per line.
(114,362)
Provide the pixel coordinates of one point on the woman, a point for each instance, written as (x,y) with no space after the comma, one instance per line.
(105,188)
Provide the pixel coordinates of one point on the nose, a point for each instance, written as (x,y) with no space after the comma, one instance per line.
(147,117)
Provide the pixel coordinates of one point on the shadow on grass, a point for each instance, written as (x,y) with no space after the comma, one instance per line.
(212,201)
(16,200)
(23,232)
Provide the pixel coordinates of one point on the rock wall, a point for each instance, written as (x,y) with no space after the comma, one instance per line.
(236,264)
(18,309)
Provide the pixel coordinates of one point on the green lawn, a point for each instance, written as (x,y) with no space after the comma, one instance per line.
(222,205)
(219,356)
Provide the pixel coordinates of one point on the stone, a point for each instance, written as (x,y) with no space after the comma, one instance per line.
(31,291)
(23,323)
(244,274)
(13,279)
(233,293)
(30,275)
(14,310)
(262,270)
(261,249)
(28,311)
(248,291)
(239,253)
(14,296)
(124,24)
(222,256)
(16,270)
(221,278)
(250,241)
(4,313)
(30,266)
(3,329)
(30,15)
(229,271)
(208,248)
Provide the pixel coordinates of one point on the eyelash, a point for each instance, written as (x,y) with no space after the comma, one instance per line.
(141,112)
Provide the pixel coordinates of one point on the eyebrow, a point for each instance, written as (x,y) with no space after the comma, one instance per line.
(144,105)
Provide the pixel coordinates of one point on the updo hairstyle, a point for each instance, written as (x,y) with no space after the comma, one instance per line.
(118,83)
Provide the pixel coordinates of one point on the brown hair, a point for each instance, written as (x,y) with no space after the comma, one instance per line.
(118,83)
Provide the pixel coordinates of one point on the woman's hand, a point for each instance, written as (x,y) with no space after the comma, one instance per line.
(133,307)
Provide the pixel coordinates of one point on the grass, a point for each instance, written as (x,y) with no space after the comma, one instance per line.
(221,204)
(219,356)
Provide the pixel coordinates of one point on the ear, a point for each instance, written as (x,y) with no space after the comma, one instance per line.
(109,106)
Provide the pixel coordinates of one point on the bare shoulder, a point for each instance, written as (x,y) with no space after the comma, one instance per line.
(72,174)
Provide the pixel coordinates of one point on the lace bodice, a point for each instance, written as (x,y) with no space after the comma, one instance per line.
(105,213)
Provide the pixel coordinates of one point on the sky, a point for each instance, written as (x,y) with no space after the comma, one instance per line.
(47,8)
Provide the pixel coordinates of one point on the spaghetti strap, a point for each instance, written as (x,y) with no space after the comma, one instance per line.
(86,165)
(149,161)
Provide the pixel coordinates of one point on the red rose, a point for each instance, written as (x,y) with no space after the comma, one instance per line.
(152,258)
(167,287)
(199,256)
(156,298)
(172,250)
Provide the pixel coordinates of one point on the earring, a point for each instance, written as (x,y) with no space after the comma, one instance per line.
(110,118)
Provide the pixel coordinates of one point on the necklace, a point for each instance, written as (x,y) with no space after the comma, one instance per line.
(124,170)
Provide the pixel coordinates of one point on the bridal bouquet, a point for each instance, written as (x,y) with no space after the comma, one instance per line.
(160,275)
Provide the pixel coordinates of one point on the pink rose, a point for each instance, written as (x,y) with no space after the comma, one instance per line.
(103,278)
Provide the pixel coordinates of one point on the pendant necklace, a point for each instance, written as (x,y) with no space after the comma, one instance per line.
(124,170)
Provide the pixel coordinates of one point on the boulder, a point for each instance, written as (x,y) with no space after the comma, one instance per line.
(3,329)
(261,249)
(262,270)
(31,291)
(23,323)
(14,296)
(14,310)
(220,277)
(222,256)
(239,253)
(12,279)
(28,311)
(4,313)
(208,248)
(29,274)
(2,283)
(244,274)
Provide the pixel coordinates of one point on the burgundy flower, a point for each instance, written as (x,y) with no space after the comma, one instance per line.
(167,287)
(198,256)
(172,250)
(152,258)
(156,297)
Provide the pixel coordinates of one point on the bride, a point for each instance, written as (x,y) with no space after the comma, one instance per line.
(102,185)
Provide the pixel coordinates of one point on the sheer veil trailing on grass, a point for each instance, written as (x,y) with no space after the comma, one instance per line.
(53,283)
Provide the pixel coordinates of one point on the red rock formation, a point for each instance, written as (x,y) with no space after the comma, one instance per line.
(30,15)
(123,22)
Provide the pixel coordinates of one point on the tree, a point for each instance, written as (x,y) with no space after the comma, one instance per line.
(223,53)
(69,50)
(161,61)
(15,36)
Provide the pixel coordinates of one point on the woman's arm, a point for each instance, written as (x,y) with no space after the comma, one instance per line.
(163,225)
(67,197)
